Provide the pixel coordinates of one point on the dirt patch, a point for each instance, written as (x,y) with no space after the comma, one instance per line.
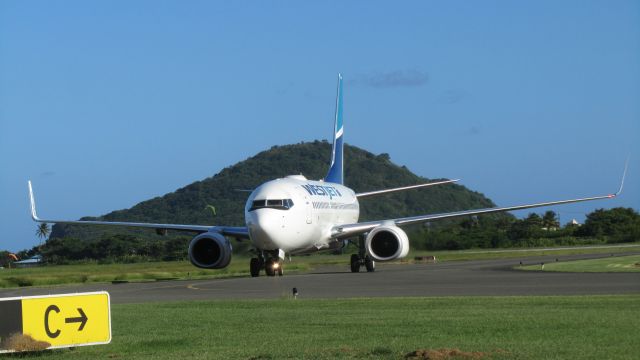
(20,342)
(446,354)
(637,265)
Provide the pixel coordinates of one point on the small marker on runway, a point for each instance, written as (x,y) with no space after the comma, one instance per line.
(295,293)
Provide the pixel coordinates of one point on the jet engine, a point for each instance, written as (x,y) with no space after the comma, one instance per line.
(210,250)
(387,242)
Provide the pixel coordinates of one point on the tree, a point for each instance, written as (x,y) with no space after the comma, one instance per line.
(527,228)
(616,222)
(43,230)
(4,259)
(533,220)
(176,249)
(550,220)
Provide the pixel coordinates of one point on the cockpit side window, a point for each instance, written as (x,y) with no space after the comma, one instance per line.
(278,204)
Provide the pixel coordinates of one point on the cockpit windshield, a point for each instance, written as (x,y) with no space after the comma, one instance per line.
(279,204)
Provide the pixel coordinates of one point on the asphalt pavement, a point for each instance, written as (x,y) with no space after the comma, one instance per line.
(454,278)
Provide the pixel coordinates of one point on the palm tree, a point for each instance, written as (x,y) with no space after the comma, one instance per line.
(43,230)
(533,220)
(550,221)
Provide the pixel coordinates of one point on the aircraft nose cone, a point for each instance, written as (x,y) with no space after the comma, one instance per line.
(265,226)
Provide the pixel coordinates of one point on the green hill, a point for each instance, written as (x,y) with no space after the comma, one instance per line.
(364,171)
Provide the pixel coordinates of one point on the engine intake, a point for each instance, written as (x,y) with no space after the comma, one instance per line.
(387,242)
(210,250)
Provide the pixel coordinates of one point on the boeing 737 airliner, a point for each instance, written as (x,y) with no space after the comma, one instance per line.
(294,215)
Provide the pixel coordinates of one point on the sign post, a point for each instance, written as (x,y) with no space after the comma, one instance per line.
(65,320)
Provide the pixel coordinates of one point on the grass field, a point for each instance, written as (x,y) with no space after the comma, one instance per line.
(629,263)
(151,271)
(143,271)
(485,254)
(594,327)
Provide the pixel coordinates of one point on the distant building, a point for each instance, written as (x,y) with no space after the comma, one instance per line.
(30,262)
(574,222)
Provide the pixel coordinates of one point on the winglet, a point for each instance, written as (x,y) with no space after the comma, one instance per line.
(34,216)
(624,174)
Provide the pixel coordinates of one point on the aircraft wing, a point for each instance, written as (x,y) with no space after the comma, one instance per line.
(386,191)
(349,230)
(240,232)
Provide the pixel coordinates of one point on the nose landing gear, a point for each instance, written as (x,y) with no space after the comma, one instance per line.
(272,266)
(254,266)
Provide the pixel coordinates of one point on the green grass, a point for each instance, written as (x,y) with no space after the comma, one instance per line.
(152,271)
(629,263)
(577,327)
(485,254)
(144,271)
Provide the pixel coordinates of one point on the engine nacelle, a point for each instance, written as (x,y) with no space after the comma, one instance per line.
(210,250)
(387,242)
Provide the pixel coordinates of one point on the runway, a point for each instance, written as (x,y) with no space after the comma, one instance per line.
(455,278)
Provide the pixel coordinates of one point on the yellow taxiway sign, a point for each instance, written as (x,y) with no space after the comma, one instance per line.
(65,320)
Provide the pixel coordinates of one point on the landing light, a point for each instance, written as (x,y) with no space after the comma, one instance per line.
(276,265)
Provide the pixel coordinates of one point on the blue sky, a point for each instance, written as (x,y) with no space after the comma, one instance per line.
(104,104)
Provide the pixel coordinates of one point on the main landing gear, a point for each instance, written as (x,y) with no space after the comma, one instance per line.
(271,265)
(362,259)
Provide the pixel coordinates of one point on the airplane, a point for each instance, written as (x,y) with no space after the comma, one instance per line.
(294,215)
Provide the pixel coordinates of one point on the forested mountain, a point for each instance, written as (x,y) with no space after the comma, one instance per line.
(364,171)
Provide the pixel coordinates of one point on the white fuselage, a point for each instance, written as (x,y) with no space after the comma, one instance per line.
(296,215)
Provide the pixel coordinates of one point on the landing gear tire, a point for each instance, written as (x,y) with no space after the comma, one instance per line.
(254,267)
(355,263)
(269,268)
(280,272)
(369,264)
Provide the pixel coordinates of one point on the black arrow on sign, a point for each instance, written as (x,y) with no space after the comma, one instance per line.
(82,319)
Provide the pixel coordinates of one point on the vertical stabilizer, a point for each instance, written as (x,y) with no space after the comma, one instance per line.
(336,171)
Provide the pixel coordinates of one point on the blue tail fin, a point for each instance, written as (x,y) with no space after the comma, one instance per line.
(335,174)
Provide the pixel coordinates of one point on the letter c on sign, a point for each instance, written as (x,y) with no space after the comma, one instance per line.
(56,333)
